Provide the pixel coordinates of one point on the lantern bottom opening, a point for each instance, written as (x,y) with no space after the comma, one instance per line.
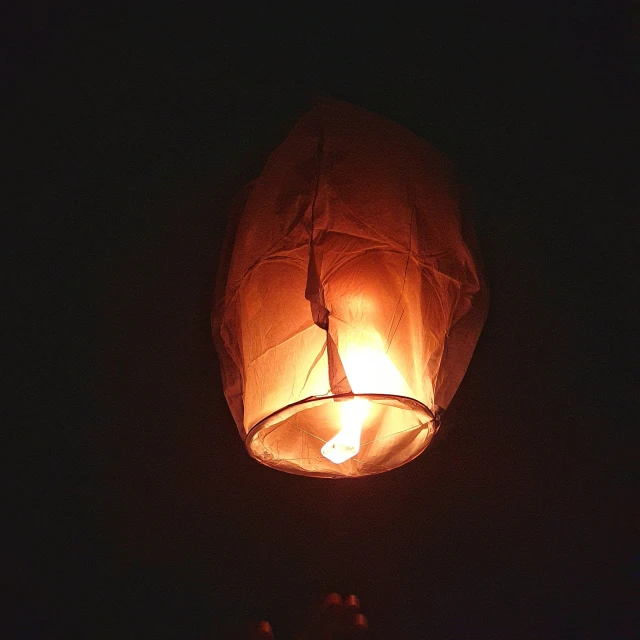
(394,430)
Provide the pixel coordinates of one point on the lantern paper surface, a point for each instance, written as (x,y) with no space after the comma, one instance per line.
(350,300)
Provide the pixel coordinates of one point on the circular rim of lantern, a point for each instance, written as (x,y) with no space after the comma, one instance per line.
(281,415)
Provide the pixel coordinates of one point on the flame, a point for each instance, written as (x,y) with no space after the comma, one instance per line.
(369,370)
(346,443)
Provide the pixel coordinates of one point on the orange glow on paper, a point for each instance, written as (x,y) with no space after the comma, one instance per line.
(351,300)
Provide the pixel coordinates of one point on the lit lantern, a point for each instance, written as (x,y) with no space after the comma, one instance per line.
(350,300)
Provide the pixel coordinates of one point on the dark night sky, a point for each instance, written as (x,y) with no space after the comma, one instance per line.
(136,512)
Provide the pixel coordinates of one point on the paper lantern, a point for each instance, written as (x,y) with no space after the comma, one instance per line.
(350,300)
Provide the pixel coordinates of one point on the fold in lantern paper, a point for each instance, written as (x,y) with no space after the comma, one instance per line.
(350,299)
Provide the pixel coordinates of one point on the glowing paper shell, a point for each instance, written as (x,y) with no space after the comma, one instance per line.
(350,300)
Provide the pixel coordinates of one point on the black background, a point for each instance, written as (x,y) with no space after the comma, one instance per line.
(137,512)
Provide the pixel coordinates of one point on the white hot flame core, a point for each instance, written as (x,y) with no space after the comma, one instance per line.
(346,443)
(369,370)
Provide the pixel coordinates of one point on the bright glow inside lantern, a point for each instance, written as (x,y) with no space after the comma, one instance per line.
(369,370)
(346,443)
(351,301)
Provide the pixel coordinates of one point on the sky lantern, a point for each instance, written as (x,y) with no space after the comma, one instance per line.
(350,297)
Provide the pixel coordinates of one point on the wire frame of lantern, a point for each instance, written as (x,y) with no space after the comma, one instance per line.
(350,297)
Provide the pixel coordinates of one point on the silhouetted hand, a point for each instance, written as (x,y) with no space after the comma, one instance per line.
(334,619)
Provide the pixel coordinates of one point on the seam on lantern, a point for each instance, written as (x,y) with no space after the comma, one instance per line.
(433,273)
(404,281)
(280,254)
(396,329)
(379,247)
(351,212)
(310,434)
(313,366)
(397,433)
(298,218)
(293,385)
(275,346)
(278,460)
(355,255)
(229,299)
(349,324)
(314,290)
